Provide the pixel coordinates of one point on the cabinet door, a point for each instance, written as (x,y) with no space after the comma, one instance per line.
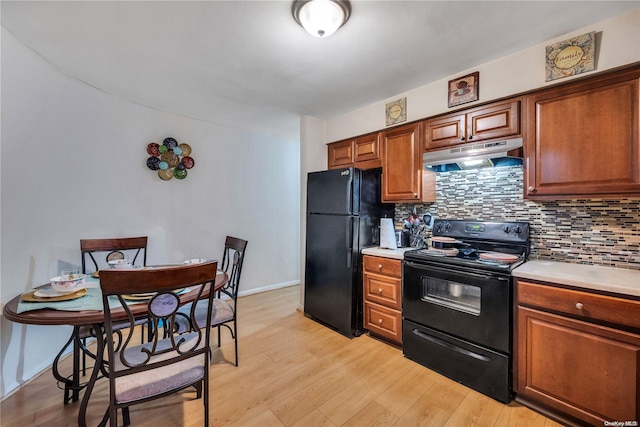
(494,121)
(587,371)
(340,154)
(402,164)
(367,147)
(367,151)
(583,139)
(445,131)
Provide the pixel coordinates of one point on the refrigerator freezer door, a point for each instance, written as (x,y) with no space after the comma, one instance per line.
(334,192)
(331,289)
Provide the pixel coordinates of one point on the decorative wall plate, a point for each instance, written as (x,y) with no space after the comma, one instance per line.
(170,159)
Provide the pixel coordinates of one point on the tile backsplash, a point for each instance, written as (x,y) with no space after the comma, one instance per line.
(593,231)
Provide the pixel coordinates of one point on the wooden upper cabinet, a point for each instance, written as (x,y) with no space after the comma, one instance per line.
(582,139)
(497,120)
(340,154)
(362,152)
(367,151)
(402,176)
(492,121)
(445,131)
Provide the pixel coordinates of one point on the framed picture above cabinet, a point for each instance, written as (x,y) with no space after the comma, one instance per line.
(464,89)
(396,111)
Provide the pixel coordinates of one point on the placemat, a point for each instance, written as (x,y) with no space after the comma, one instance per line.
(31,297)
(91,301)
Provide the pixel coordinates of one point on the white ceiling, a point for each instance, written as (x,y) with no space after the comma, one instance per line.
(247,64)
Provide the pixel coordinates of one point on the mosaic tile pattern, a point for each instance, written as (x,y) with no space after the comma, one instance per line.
(595,231)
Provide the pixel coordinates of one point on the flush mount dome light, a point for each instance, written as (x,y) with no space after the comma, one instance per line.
(321,18)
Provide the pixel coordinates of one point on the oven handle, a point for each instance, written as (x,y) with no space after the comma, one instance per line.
(442,343)
(487,276)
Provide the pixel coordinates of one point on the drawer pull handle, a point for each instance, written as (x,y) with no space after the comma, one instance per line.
(380,291)
(380,321)
(579,305)
(379,267)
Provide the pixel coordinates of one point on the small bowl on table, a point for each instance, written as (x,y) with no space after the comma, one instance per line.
(120,264)
(69,283)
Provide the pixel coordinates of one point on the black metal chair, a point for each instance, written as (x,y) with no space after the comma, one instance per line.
(115,248)
(112,249)
(142,372)
(225,303)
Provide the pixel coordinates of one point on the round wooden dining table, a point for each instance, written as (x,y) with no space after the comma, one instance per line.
(95,320)
(87,317)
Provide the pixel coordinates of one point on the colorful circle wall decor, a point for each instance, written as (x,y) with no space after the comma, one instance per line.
(170,159)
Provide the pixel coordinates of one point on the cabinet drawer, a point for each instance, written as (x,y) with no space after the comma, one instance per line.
(383,290)
(386,266)
(383,321)
(584,304)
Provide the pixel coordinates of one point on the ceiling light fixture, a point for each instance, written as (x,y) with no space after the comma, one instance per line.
(321,18)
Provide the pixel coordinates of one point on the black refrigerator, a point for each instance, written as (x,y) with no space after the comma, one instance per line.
(343,216)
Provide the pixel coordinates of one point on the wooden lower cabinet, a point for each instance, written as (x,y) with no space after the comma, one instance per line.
(382,281)
(575,367)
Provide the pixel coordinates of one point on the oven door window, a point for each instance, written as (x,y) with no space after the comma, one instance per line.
(453,295)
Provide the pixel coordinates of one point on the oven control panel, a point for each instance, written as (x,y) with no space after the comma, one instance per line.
(474,227)
(512,231)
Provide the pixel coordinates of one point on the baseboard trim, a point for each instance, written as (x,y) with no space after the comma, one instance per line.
(268,288)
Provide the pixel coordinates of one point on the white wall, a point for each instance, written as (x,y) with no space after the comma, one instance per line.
(313,155)
(619,44)
(73,166)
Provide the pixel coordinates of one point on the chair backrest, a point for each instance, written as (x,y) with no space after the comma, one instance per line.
(114,249)
(232,259)
(166,284)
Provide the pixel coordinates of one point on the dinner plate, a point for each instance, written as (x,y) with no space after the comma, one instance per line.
(49,292)
(139,297)
(144,296)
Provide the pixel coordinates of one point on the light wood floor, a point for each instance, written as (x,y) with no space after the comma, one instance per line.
(293,372)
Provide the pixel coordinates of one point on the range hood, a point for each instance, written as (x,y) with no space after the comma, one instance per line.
(466,152)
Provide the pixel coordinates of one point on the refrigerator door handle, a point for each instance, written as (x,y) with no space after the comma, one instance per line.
(349,241)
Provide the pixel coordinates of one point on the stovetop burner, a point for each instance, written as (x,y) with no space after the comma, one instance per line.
(498,246)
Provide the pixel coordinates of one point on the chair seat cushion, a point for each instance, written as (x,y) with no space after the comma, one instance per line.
(162,379)
(222,312)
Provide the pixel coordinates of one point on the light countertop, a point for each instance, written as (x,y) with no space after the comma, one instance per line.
(593,277)
(386,253)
